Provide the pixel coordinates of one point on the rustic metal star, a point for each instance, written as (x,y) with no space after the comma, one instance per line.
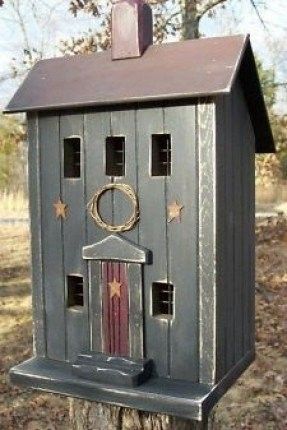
(115,288)
(174,211)
(60,209)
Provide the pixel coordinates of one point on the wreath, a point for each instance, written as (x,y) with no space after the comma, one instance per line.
(94,208)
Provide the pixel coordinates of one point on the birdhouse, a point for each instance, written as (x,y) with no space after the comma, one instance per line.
(141,163)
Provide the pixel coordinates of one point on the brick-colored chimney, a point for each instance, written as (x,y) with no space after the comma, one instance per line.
(132,29)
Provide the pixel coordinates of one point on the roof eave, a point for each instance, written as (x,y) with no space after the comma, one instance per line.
(246,71)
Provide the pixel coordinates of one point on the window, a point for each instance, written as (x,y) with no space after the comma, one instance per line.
(72,157)
(75,290)
(161,155)
(115,156)
(162,299)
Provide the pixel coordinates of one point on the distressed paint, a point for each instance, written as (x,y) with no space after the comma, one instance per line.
(74,238)
(235,232)
(35,196)
(152,234)
(123,123)
(52,240)
(180,122)
(136,318)
(115,310)
(207,241)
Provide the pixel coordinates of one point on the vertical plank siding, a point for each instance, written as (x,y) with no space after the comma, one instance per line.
(207,242)
(135,276)
(123,123)
(152,235)
(34,164)
(74,238)
(235,231)
(97,126)
(52,246)
(115,310)
(208,256)
(224,302)
(179,122)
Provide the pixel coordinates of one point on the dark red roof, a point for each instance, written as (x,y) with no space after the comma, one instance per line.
(192,68)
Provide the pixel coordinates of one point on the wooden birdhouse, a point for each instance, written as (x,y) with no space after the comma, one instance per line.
(141,167)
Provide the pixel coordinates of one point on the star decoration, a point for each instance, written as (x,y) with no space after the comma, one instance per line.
(174,211)
(115,288)
(60,209)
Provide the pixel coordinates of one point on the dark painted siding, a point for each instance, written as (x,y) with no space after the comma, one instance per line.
(74,238)
(182,238)
(152,235)
(52,231)
(115,309)
(172,343)
(235,231)
(206,241)
(35,194)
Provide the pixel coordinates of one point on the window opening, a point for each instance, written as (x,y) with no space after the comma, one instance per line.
(115,156)
(75,286)
(72,157)
(161,155)
(162,299)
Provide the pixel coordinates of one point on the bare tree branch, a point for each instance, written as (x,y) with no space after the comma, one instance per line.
(255,7)
(206,7)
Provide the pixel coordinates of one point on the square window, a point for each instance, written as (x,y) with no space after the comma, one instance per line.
(75,290)
(161,155)
(115,156)
(72,157)
(162,299)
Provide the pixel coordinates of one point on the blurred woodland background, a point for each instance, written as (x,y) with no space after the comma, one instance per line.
(31,30)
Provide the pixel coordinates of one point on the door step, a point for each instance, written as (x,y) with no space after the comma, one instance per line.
(114,370)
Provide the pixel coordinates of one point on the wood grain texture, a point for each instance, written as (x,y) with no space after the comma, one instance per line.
(123,123)
(235,231)
(115,309)
(237,127)
(86,415)
(222,239)
(53,270)
(97,126)
(95,306)
(182,239)
(135,275)
(74,238)
(207,245)
(152,234)
(35,195)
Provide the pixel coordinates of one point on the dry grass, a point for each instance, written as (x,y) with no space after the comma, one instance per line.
(13,205)
(20,409)
(257,401)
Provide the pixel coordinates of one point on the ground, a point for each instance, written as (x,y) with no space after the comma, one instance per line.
(257,401)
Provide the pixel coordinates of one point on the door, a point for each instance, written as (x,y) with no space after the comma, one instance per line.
(115,308)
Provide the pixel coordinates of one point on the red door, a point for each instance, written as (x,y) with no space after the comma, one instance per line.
(115,308)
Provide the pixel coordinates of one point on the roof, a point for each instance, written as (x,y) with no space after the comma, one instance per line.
(191,68)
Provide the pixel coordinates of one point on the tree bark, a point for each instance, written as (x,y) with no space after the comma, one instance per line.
(86,415)
(190,20)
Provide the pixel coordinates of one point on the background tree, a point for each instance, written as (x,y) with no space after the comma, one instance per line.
(12,162)
(178,18)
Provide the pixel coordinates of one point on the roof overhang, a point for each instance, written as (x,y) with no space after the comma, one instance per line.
(204,67)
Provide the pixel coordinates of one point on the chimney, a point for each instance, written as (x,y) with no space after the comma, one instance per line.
(132,30)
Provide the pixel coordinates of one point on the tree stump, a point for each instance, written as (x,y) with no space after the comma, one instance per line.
(86,415)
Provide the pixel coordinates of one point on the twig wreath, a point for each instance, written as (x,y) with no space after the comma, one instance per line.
(94,208)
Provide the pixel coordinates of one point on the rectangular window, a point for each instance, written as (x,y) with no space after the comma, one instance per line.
(162,299)
(161,155)
(75,290)
(72,157)
(115,156)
